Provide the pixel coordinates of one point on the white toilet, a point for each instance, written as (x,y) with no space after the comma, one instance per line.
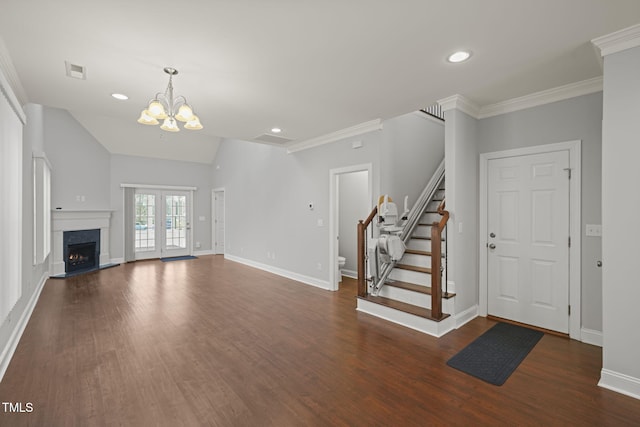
(341,261)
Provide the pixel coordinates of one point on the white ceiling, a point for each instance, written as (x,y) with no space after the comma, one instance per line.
(311,68)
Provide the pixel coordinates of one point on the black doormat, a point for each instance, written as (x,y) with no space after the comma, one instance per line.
(178,258)
(494,355)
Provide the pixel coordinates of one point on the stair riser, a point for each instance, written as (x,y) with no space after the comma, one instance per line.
(416,260)
(419,245)
(415,298)
(433,205)
(430,218)
(426,326)
(411,277)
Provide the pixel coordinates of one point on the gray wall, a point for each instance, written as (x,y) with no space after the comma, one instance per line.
(144,170)
(80,165)
(353,206)
(620,207)
(32,275)
(268,190)
(461,182)
(568,120)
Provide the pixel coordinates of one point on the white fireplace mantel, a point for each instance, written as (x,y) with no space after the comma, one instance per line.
(71,220)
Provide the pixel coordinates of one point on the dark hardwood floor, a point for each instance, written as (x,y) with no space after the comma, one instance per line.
(212,342)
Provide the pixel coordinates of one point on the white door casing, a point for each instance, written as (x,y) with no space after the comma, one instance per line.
(218,202)
(528,225)
(573,149)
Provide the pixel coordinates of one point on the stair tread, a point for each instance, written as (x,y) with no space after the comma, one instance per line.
(423,238)
(413,268)
(403,306)
(417,288)
(419,252)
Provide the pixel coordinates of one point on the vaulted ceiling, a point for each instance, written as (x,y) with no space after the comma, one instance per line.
(308,67)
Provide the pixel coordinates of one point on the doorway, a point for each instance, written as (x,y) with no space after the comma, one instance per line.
(162,223)
(218,226)
(530,236)
(350,200)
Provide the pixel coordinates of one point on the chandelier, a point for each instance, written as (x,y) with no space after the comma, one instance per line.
(170,109)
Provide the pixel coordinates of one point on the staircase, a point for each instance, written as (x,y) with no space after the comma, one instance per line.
(403,295)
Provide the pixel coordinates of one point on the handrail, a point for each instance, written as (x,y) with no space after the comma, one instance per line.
(362,227)
(436,261)
(421,204)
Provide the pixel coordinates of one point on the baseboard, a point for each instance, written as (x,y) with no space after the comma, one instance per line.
(323,284)
(466,316)
(117,260)
(620,383)
(14,339)
(203,253)
(590,336)
(350,273)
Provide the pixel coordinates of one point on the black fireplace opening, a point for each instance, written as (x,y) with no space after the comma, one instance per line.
(81,250)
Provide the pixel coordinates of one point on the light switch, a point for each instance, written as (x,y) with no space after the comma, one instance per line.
(320,223)
(594,230)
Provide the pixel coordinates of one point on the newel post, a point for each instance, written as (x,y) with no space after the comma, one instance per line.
(362,285)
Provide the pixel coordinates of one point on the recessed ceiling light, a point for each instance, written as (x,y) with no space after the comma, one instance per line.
(120,96)
(459,56)
(276,130)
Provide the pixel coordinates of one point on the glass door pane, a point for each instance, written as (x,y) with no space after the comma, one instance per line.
(145,236)
(176,218)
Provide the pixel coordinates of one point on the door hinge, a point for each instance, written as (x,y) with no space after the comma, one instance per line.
(568,172)
(569,311)
(569,241)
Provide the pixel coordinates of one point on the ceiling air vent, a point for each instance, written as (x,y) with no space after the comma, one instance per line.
(75,71)
(271,139)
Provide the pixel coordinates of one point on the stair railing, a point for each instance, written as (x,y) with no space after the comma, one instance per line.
(362,252)
(413,219)
(436,261)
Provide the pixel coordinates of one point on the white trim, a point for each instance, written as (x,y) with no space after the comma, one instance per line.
(117,260)
(350,273)
(333,214)
(203,253)
(575,290)
(14,339)
(461,103)
(560,93)
(8,74)
(160,187)
(336,136)
(318,283)
(466,316)
(620,383)
(417,323)
(213,220)
(590,336)
(618,41)
(536,99)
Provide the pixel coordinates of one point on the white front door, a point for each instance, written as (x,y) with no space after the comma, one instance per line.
(528,239)
(162,223)
(218,207)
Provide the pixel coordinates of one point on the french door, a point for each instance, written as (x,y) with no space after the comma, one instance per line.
(162,223)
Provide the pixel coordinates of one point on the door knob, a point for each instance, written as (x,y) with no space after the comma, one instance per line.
(492,246)
(492,235)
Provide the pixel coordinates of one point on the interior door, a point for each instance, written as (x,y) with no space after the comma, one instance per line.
(219,221)
(528,241)
(162,223)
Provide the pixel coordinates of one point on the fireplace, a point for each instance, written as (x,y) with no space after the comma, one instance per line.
(81,250)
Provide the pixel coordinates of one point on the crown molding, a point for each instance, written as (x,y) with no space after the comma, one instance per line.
(359,129)
(461,103)
(547,96)
(618,41)
(11,81)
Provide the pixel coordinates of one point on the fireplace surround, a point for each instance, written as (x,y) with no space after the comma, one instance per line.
(96,223)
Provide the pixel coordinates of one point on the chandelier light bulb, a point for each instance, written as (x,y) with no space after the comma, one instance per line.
(193,124)
(156,110)
(185,113)
(170,125)
(146,119)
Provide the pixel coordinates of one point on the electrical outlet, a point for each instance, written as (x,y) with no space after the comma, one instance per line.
(593,230)
(319,266)
(197,245)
